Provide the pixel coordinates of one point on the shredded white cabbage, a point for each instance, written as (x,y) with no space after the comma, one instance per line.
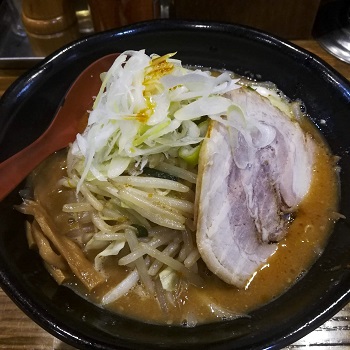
(147,105)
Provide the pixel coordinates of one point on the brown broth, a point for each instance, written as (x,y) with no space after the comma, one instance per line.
(306,239)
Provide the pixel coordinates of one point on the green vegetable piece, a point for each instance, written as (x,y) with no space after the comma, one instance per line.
(141,230)
(190,154)
(158,174)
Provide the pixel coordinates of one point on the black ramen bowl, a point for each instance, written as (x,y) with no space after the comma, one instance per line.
(27,108)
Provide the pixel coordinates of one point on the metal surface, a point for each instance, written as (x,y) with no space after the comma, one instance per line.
(332,29)
(337,43)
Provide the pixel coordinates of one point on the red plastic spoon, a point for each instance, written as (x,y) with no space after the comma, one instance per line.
(63,129)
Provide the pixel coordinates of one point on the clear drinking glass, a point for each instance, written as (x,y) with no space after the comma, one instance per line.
(15,8)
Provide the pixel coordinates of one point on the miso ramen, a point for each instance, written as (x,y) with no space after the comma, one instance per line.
(135,216)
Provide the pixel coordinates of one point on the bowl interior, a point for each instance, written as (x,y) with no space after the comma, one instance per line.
(27,108)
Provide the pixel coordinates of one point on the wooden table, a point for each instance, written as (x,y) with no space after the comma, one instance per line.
(17,331)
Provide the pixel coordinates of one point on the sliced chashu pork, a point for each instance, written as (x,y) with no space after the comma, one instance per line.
(251,178)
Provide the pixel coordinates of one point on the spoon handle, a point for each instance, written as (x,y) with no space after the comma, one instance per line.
(16,168)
